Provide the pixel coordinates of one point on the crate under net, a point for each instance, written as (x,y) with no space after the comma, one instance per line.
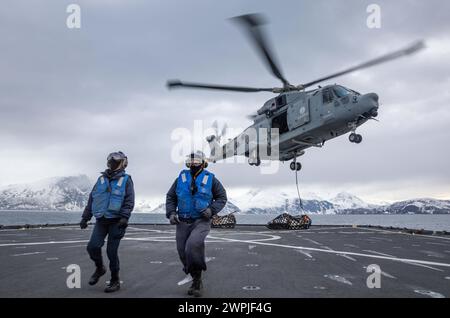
(288,222)
(223,222)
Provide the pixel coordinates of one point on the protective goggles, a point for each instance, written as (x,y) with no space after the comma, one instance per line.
(117,156)
(193,162)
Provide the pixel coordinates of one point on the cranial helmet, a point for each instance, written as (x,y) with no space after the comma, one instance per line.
(196,158)
(117,160)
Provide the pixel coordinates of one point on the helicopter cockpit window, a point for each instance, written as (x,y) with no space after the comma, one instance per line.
(327,96)
(340,91)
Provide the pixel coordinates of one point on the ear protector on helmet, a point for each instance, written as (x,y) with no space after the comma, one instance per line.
(125,160)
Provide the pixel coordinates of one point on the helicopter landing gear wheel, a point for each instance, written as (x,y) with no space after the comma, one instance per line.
(355,138)
(296,166)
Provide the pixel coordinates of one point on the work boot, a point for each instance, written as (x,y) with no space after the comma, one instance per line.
(191,289)
(99,272)
(114,283)
(197,285)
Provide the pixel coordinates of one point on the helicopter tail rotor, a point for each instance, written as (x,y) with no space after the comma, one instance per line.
(217,134)
(214,141)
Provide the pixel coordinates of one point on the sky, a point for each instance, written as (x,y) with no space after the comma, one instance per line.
(68,97)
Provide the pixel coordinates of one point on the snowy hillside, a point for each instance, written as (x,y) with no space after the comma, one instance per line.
(65,193)
(419,206)
(71,194)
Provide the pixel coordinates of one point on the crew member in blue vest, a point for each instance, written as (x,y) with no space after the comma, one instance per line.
(110,202)
(195,196)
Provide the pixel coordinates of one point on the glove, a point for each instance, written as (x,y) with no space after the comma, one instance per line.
(174,219)
(83,224)
(207,214)
(123,223)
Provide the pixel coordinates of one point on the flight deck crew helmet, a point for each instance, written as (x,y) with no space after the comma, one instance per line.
(195,159)
(117,160)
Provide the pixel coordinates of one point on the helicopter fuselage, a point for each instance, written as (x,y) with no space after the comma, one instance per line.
(298,119)
(305,119)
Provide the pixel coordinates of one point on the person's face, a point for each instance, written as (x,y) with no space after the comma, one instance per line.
(113,164)
(196,165)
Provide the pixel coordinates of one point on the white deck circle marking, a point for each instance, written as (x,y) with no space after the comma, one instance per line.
(403,233)
(383,273)
(415,261)
(429,293)
(339,279)
(27,254)
(347,257)
(305,253)
(425,266)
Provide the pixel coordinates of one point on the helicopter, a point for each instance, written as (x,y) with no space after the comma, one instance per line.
(300,116)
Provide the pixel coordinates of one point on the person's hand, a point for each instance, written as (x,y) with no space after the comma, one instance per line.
(83,224)
(123,223)
(207,214)
(174,220)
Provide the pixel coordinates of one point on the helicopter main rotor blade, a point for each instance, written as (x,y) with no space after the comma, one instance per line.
(385,58)
(251,24)
(178,84)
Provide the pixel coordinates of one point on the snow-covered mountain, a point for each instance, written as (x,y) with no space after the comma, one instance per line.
(64,193)
(276,200)
(71,194)
(347,201)
(418,206)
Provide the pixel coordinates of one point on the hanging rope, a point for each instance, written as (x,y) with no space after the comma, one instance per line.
(296,183)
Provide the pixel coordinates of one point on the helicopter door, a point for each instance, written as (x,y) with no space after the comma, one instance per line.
(280,122)
(327,111)
(298,113)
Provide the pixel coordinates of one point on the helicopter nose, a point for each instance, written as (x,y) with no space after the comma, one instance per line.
(373,97)
(368,105)
(369,102)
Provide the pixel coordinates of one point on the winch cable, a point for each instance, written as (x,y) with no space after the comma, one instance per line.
(296,183)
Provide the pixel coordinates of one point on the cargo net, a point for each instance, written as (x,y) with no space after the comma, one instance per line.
(223,222)
(289,222)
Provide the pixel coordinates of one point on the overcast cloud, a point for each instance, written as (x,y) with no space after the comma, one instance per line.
(69,97)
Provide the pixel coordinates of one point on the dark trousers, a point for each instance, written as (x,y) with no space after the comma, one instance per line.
(104,227)
(191,244)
